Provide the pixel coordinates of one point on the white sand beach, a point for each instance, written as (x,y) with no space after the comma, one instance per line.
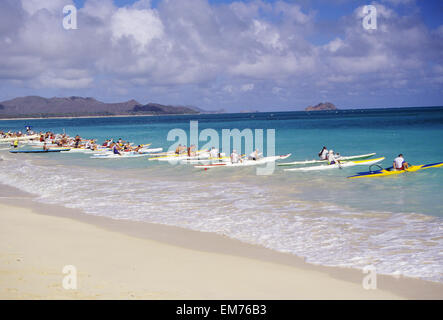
(34,248)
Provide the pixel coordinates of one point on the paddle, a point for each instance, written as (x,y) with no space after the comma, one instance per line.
(339,165)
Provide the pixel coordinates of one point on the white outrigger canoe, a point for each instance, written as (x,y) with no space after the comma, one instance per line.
(22,138)
(342,158)
(118,156)
(85,150)
(131,154)
(339,165)
(206,161)
(244,163)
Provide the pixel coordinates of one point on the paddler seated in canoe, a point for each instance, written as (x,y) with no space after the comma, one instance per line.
(400,163)
(116,150)
(126,147)
(78,139)
(254,155)
(323,154)
(15,144)
(138,148)
(331,158)
(88,144)
(191,151)
(94,144)
(213,153)
(235,157)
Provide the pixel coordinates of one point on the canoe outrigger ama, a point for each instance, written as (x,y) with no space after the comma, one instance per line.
(339,165)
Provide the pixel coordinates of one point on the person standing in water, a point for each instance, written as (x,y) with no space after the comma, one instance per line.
(400,163)
(323,154)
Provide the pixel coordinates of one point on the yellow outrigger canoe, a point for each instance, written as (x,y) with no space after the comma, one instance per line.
(389,172)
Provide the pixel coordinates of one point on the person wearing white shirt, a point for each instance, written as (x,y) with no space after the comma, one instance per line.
(331,157)
(323,153)
(400,163)
(213,153)
(254,155)
(235,157)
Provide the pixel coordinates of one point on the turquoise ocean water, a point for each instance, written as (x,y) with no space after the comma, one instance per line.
(394,223)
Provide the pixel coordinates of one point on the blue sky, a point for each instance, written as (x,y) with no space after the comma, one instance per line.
(236,55)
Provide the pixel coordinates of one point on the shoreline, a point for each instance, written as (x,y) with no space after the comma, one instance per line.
(188,244)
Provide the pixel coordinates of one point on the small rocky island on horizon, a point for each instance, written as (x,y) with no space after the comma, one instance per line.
(322,106)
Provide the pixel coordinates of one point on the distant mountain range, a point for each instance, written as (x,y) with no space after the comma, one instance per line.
(34,106)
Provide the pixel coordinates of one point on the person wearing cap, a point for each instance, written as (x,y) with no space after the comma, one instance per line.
(400,163)
(331,157)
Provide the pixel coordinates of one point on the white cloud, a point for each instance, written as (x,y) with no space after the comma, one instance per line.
(49,79)
(247,87)
(141,25)
(266,35)
(223,51)
(33,6)
(334,45)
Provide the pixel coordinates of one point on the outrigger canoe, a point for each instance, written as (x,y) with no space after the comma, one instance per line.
(38,151)
(201,154)
(206,161)
(342,158)
(339,165)
(245,163)
(122,156)
(390,172)
(22,138)
(109,154)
